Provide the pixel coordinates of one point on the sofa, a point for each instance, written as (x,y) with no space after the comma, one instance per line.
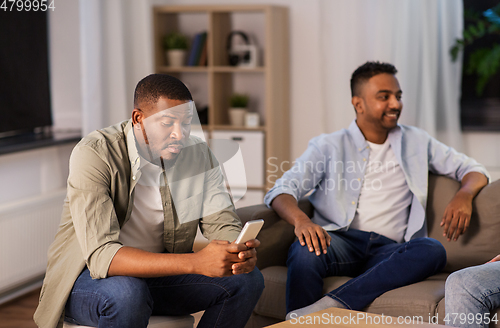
(479,244)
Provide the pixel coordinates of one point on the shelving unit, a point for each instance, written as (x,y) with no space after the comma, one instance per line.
(212,85)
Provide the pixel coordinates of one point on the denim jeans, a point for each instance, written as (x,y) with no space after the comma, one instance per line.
(123,302)
(472,291)
(378,264)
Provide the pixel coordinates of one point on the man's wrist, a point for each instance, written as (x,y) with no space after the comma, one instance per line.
(301,219)
(191,261)
(466,194)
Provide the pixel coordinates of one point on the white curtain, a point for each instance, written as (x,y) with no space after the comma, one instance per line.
(116,53)
(415,36)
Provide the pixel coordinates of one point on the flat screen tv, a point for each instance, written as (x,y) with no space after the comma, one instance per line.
(24,72)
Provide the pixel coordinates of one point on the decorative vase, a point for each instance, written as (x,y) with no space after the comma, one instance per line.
(237,116)
(176,57)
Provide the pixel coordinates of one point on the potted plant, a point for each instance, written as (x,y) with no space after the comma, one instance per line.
(238,107)
(483,62)
(175,44)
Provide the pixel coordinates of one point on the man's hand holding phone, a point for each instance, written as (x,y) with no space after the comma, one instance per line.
(247,238)
(248,257)
(221,258)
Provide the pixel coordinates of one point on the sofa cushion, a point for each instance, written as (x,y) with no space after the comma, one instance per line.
(480,243)
(419,299)
(272,302)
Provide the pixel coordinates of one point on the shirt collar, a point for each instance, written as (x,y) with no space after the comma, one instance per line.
(357,136)
(137,162)
(133,154)
(394,136)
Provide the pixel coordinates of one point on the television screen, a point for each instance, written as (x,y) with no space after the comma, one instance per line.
(24,72)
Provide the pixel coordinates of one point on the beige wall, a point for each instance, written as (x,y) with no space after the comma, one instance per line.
(307,110)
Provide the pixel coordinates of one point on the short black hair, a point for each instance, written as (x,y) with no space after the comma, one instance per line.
(154,86)
(369,69)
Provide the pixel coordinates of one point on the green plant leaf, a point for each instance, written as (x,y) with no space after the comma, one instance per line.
(485,63)
(238,100)
(175,40)
(454,52)
(471,15)
(492,29)
(467,36)
(473,30)
(481,29)
(474,59)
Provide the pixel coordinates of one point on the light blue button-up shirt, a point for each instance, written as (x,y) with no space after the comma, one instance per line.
(333,167)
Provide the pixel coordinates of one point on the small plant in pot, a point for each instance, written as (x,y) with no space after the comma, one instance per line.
(238,108)
(175,44)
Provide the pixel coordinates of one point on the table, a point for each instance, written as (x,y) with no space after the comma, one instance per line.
(349,319)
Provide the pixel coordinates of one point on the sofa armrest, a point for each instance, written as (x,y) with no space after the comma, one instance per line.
(480,243)
(276,235)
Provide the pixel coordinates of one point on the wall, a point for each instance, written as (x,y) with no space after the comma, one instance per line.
(307,110)
(65,73)
(485,148)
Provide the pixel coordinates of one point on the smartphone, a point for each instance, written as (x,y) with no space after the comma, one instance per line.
(250,231)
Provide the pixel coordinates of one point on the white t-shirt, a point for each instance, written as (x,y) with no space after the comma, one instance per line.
(385,199)
(144,229)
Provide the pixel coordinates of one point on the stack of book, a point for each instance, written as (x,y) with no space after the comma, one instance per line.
(198,54)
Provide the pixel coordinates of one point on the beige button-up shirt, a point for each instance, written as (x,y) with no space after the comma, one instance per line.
(104,169)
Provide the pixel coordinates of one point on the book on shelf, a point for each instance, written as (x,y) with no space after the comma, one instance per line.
(197,48)
(203,57)
(192,52)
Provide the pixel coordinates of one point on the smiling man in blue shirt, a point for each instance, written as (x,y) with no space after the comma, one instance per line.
(369,191)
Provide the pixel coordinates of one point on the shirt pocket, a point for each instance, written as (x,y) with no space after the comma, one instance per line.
(189,209)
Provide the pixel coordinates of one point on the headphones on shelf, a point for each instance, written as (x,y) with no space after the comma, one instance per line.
(235,56)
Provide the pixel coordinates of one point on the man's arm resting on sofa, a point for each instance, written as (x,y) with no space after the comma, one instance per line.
(456,217)
(217,259)
(316,238)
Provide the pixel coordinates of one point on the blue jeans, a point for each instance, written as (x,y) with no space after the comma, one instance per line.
(472,291)
(123,302)
(378,264)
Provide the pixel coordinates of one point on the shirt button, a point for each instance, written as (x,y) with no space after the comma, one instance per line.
(359,149)
(353,203)
(364,159)
(133,178)
(359,179)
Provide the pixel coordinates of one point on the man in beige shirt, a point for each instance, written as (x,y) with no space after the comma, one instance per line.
(137,191)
